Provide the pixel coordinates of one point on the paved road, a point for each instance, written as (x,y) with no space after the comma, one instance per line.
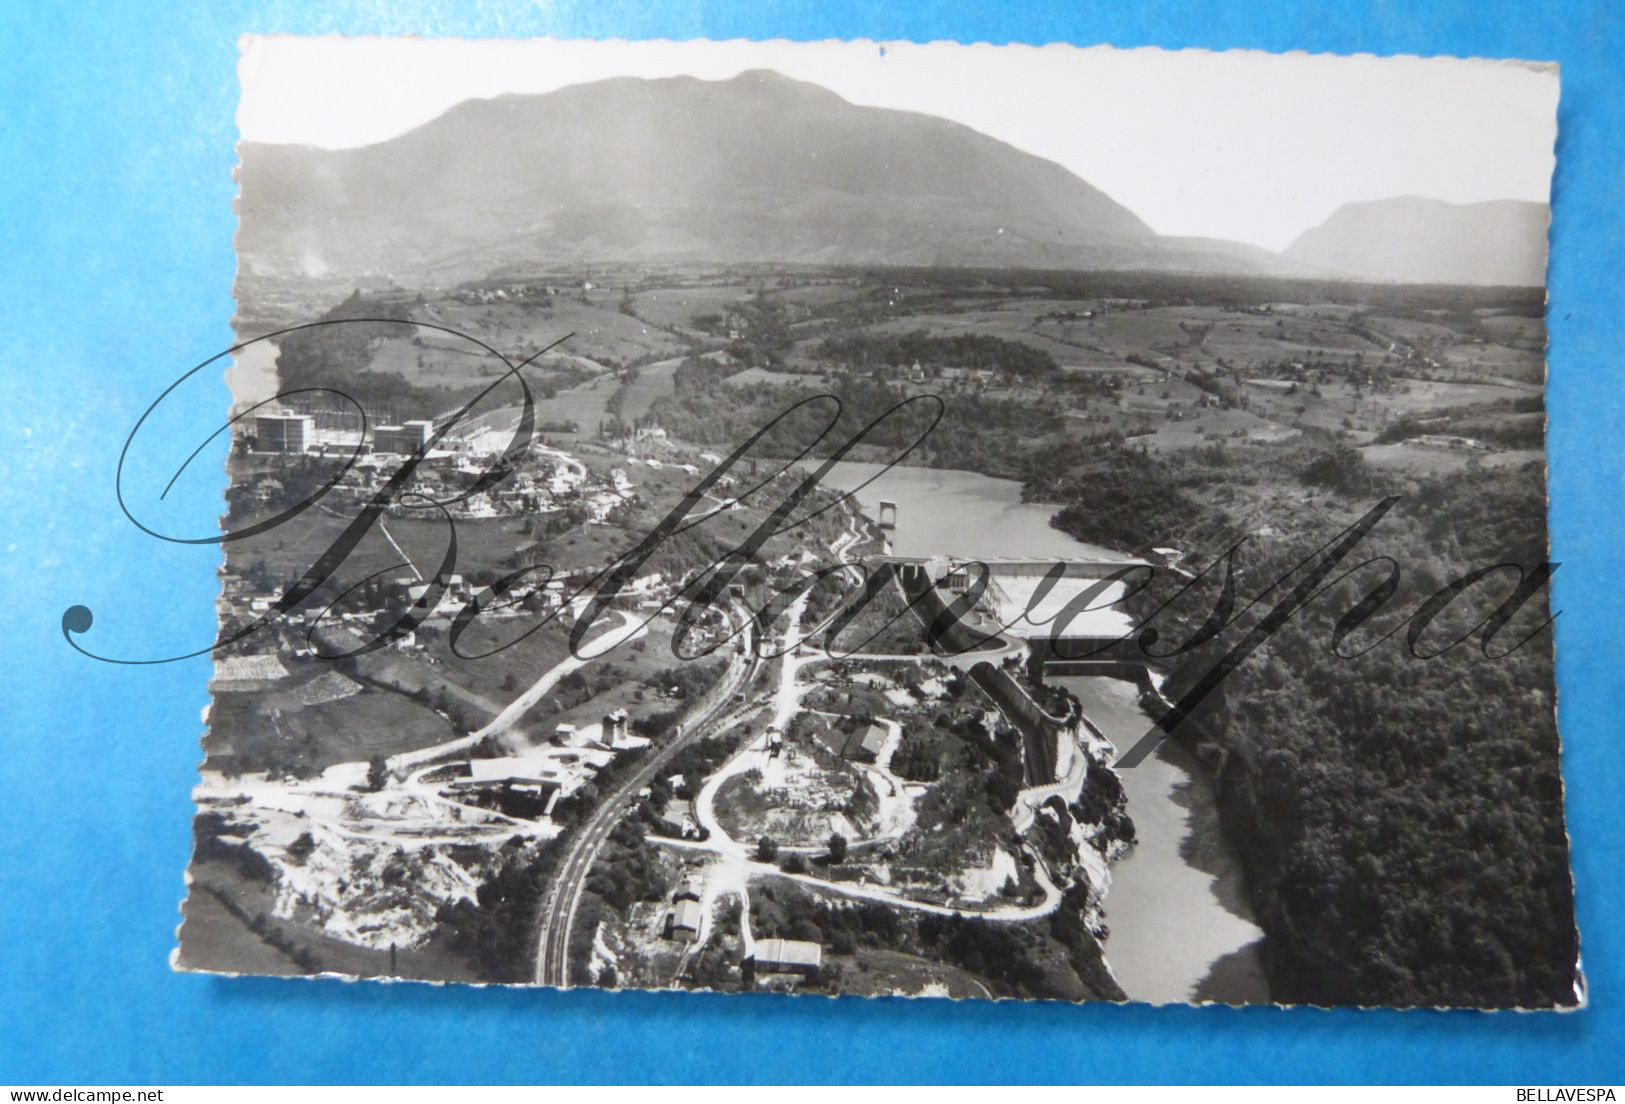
(599,645)
(867,891)
(563,895)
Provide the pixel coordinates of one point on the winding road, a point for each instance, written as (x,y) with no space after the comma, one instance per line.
(525,702)
(735,862)
(737,867)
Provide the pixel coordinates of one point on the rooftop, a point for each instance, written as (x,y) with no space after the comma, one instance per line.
(788,952)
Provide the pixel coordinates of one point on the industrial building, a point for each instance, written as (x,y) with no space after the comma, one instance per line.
(786,956)
(284,432)
(405,439)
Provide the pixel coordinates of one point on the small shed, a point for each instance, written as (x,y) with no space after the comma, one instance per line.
(867,744)
(685,921)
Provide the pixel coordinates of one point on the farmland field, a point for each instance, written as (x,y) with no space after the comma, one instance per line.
(677,307)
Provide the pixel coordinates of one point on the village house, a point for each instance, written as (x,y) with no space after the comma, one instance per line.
(867,745)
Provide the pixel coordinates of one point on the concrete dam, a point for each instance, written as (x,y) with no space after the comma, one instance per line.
(1069,612)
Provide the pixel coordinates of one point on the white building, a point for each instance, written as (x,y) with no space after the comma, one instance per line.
(787,956)
(284,432)
(405,439)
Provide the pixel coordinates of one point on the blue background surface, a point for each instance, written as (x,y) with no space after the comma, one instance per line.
(116,149)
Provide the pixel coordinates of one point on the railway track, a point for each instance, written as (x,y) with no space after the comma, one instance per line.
(563,896)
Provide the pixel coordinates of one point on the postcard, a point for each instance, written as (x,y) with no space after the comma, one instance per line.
(854,518)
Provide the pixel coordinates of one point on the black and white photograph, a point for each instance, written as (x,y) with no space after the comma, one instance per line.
(935,520)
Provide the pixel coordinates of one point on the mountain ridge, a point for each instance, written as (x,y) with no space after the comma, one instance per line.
(1414,239)
(756,168)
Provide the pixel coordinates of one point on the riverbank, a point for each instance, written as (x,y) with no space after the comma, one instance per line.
(1181,925)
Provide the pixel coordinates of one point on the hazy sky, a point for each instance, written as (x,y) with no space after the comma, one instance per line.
(1243,145)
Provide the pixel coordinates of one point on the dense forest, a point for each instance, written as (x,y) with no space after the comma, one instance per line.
(1055,958)
(971,434)
(1512,423)
(340,358)
(902,350)
(1399,811)
(337,356)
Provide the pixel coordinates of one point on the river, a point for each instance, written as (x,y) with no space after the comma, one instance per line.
(1181,926)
